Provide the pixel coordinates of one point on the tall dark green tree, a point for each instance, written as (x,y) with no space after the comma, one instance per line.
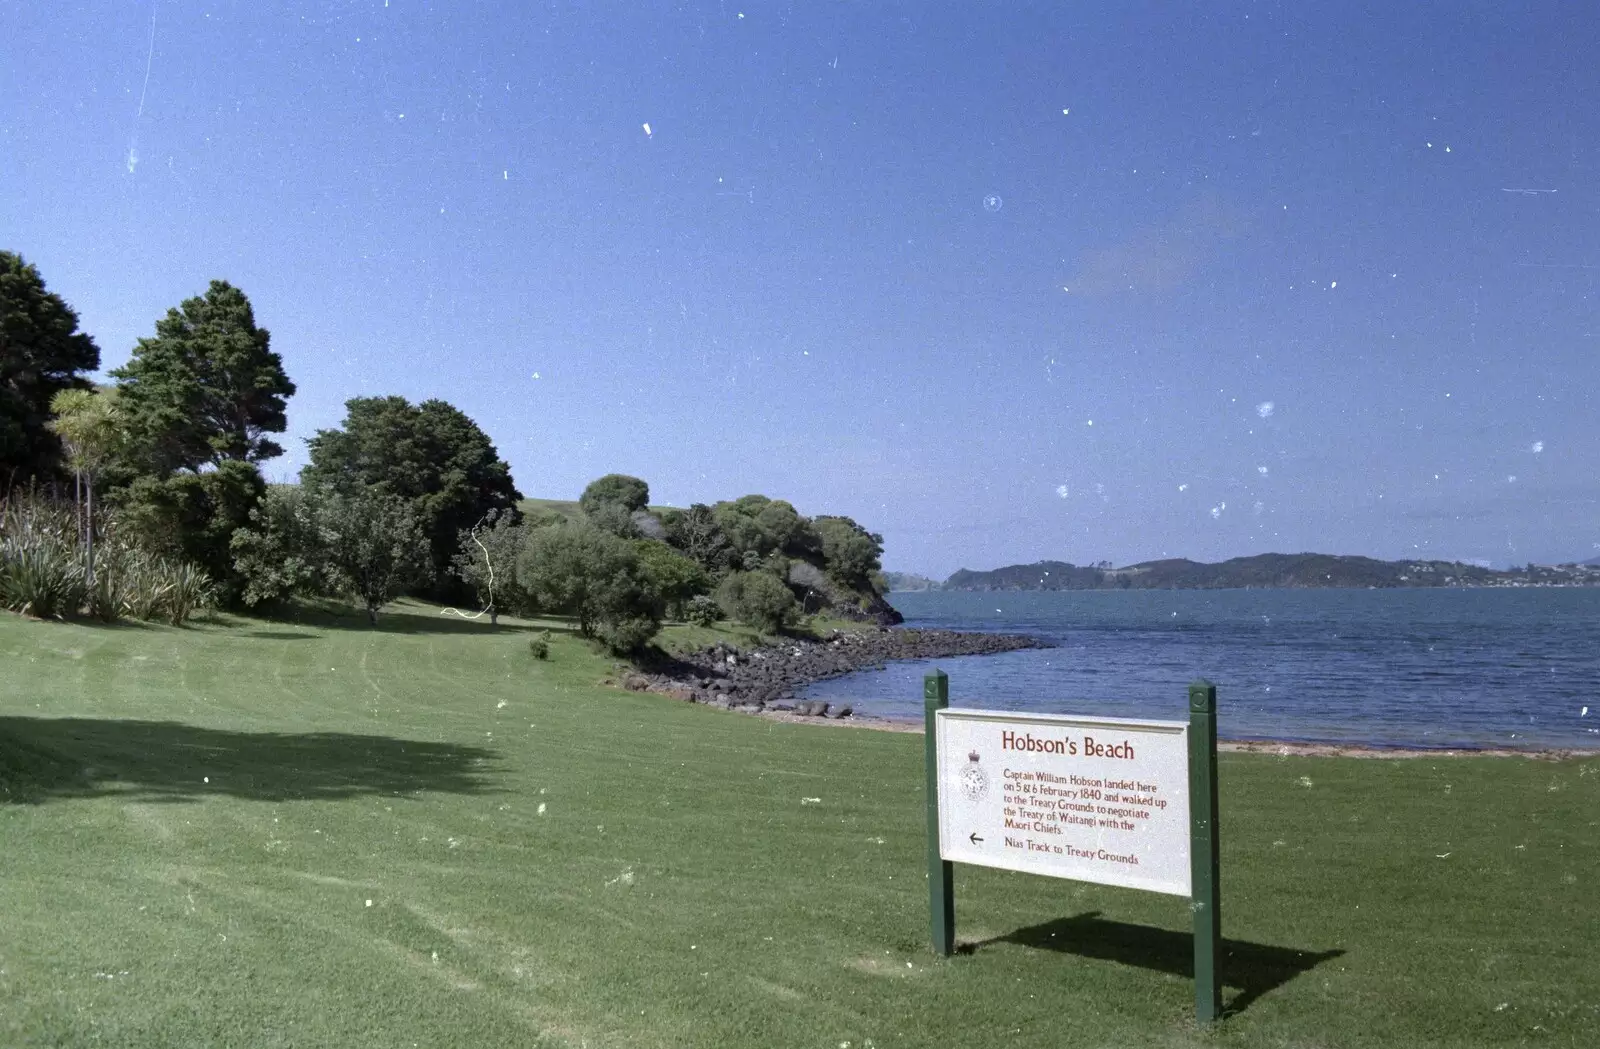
(431,455)
(42,352)
(207,389)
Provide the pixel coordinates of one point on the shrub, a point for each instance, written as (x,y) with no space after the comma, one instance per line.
(539,646)
(110,597)
(625,634)
(702,610)
(41,567)
(188,589)
(194,517)
(757,598)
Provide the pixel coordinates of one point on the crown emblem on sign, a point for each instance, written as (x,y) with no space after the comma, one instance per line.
(972,755)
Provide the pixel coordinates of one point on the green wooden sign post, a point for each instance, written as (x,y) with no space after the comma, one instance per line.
(1204,863)
(941,879)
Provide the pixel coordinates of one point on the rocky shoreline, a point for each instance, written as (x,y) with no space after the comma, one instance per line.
(769,678)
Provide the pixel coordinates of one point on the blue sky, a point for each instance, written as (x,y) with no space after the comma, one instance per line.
(1004,282)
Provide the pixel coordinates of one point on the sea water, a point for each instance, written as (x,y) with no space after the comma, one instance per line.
(1421,668)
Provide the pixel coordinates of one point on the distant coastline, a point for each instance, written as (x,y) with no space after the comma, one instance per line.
(1273,571)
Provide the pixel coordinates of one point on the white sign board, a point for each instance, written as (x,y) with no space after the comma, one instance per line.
(1096,799)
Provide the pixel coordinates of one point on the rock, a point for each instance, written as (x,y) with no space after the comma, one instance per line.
(770,676)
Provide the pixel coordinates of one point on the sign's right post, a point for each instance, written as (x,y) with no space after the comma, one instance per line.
(941,872)
(1203,851)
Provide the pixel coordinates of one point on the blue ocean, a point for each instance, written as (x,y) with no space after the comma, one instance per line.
(1513,668)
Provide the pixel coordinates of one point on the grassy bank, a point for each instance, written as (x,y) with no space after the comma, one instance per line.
(194,820)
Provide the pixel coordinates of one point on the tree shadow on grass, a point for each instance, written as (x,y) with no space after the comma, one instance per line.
(1252,968)
(403,620)
(657,660)
(56,759)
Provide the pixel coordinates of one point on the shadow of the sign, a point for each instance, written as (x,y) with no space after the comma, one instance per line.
(1252,968)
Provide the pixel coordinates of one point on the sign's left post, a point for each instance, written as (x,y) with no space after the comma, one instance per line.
(941,880)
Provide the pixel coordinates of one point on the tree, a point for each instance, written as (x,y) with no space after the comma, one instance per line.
(89,424)
(585,572)
(207,388)
(431,455)
(672,575)
(42,353)
(630,493)
(696,533)
(850,553)
(281,553)
(759,599)
(758,525)
(376,545)
(487,562)
(611,503)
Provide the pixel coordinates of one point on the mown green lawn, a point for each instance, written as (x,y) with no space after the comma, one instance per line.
(275,833)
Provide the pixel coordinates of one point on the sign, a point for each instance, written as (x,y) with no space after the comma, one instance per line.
(1108,800)
(1095,799)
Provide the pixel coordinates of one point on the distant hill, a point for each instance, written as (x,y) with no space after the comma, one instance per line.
(1261,570)
(903,581)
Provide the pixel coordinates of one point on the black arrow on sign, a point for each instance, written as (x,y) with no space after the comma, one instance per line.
(973,837)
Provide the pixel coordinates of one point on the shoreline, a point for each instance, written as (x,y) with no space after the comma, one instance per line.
(765,680)
(1280,748)
(770,677)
